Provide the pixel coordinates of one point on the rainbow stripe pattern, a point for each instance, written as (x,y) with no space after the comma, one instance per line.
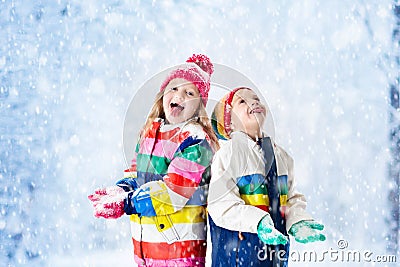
(173,172)
(253,190)
(283,193)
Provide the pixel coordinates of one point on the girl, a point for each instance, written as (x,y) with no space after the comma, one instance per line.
(164,190)
(252,194)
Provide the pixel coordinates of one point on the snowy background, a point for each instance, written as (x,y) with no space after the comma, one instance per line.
(69,70)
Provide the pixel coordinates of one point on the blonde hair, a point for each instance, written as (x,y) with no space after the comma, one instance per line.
(157,111)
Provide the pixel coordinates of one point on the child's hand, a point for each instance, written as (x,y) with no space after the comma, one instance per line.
(307,231)
(108,202)
(268,234)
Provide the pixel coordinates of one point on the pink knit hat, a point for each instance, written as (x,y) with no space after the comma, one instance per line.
(197,70)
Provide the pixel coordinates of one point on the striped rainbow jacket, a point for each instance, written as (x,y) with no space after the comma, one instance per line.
(173,171)
(230,206)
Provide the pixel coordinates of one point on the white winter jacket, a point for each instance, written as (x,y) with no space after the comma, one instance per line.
(238,157)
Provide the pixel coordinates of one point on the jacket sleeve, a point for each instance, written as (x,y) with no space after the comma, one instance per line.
(131,171)
(296,204)
(185,172)
(225,206)
(128,182)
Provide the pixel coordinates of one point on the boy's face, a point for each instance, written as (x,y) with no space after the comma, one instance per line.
(248,113)
(181,101)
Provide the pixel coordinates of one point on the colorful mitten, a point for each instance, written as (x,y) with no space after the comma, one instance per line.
(268,234)
(307,231)
(108,202)
(129,185)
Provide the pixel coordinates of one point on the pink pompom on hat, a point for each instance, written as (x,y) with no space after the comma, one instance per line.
(197,70)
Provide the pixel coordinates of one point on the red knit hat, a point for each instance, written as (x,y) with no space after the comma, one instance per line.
(197,70)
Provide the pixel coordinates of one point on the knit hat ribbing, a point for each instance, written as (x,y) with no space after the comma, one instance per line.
(197,70)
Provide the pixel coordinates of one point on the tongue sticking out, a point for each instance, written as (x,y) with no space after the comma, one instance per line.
(176,109)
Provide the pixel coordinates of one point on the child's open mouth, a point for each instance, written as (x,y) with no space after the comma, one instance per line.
(257,110)
(176,109)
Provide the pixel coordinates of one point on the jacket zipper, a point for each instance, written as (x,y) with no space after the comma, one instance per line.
(141,238)
(147,168)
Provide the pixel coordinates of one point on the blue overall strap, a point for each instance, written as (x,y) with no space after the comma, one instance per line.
(274,199)
(268,150)
(272,185)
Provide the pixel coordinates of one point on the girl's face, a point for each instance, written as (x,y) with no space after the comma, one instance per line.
(248,113)
(181,101)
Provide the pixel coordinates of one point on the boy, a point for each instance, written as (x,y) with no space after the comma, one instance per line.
(252,196)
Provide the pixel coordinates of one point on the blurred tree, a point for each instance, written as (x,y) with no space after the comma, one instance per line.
(394,120)
(25,135)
